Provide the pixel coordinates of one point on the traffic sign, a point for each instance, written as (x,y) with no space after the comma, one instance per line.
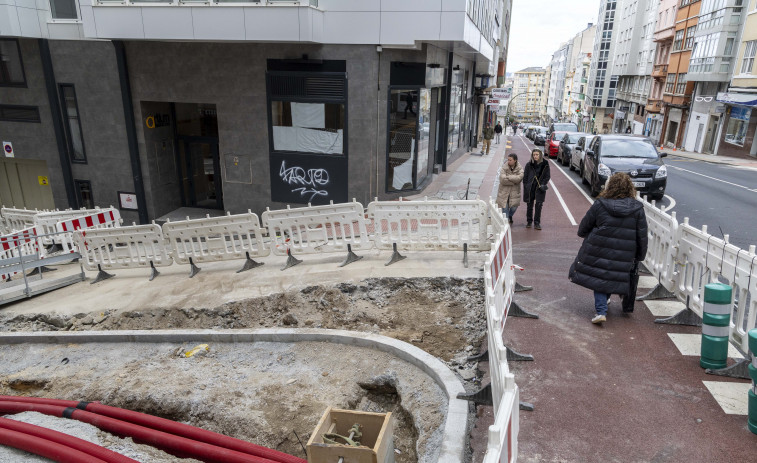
(8,149)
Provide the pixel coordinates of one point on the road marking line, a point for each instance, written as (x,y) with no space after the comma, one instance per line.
(564,206)
(672,203)
(713,178)
(588,198)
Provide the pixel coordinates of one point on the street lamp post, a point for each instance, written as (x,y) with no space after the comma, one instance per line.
(594,109)
(507,112)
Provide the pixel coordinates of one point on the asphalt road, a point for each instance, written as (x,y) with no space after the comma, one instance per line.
(723,197)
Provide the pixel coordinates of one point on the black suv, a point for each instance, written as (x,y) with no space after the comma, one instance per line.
(634,155)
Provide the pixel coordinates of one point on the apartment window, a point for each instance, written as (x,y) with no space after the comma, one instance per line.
(670,83)
(11,67)
(15,113)
(749,50)
(728,46)
(681,85)
(84,194)
(689,37)
(678,40)
(63,9)
(72,124)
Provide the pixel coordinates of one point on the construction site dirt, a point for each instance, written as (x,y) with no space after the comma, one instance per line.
(271,394)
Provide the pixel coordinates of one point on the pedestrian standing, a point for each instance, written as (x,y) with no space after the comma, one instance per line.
(508,193)
(488,133)
(615,241)
(535,179)
(498,131)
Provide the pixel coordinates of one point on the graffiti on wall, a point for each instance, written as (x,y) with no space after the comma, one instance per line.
(309,182)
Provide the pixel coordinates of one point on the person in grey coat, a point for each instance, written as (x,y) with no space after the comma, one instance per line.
(615,240)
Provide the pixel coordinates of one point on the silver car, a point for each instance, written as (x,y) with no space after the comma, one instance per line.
(578,152)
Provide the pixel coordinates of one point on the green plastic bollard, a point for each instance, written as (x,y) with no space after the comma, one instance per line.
(716,322)
(753,374)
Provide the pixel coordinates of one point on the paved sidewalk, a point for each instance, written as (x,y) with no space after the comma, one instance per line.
(732,161)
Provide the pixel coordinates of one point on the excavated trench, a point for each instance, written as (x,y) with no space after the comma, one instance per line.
(443,316)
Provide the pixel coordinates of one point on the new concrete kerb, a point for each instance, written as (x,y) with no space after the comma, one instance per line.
(457,413)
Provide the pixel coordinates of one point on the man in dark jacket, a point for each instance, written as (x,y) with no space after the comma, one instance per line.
(497,132)
(615,240)
(535,179)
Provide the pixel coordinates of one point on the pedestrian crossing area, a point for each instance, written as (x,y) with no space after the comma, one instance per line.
(731,395)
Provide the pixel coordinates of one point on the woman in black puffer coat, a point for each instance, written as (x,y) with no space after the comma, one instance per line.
(615,240)
(535,179)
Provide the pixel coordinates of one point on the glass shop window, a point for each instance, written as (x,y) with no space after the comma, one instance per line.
(308,127)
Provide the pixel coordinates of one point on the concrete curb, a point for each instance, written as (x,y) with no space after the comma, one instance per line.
(453,438)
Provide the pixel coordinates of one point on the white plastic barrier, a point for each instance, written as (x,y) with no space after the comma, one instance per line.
(430,225)
(17,244)
(317,229)
(695,268)
(103,218)
(664,235)
(46,222)
(123,247)
(499,282)
(216,238)
(18,219)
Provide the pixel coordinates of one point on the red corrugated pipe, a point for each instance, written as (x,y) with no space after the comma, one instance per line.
(64,439)
(45,448)
(162,424)
(168,442)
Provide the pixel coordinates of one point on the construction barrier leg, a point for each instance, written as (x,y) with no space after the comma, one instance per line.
(519,288)
(685,317)
(193,269)
(101,275)
(513,356)
(465,255)
(516,311)
(249,264)
(351,257)
(153,271)
(658,292)
(737,370)
(291,260)
(41,269)
(396,256)
(481,397)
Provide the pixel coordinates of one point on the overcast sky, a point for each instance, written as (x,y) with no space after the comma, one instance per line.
(538,27)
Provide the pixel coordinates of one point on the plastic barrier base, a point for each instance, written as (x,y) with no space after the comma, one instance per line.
(516,311)
(526,406)
(519,288)
(153,271)
(480,397)
(351,257)
(193,269)
(396,256)
(513,356)
(291,260)
(41,269)
(658,292)
(738,370)
(685,317)
(101,275)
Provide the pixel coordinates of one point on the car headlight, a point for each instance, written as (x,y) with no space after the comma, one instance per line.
(662,172)
(603,170)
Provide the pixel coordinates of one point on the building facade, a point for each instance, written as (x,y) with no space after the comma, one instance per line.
(663,39)
(154,107)
(527,86)
(600,101)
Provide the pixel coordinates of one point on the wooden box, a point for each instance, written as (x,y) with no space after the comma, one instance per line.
(377,443)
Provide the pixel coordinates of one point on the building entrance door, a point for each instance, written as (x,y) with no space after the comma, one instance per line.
(25,183)
(200,170)
(709,142)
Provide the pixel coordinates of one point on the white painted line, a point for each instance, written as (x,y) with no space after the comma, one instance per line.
(588,198)
(691,344)
(732,397)
(714,178)
(664,308)
(564,206)
(672,203)
(647,282)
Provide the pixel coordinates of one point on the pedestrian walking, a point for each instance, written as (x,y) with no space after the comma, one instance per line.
(535,179)
(615,241)
(508,193)
(498,131)
(628,129)
(488,133)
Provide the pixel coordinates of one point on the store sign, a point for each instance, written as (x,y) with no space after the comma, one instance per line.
(127,201)
(43,180)
(502,93)
(492,102)
(157,120)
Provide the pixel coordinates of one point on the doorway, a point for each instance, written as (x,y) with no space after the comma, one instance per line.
(199,169)
(709,141)
(25,183)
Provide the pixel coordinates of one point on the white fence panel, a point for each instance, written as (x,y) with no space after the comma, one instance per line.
(18,219)
(19,243)
(430,225)
(499,282)
(216,238)
(695,269)
(124,247)
(102,219)
(664,235)
(317,229)
(46,222)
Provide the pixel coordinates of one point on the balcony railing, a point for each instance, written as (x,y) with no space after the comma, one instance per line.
(660,71)
(654,105)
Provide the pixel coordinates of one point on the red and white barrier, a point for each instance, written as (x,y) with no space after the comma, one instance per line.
(46,222)
(18,219)
(18,244)
(105,218)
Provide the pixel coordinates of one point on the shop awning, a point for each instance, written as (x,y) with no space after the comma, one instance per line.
(742,99)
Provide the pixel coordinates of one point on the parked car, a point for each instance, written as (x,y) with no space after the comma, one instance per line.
(540,135)
(562,127)
(530,132)
(552,143)
(634,155)
(576,161)
(566,145)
